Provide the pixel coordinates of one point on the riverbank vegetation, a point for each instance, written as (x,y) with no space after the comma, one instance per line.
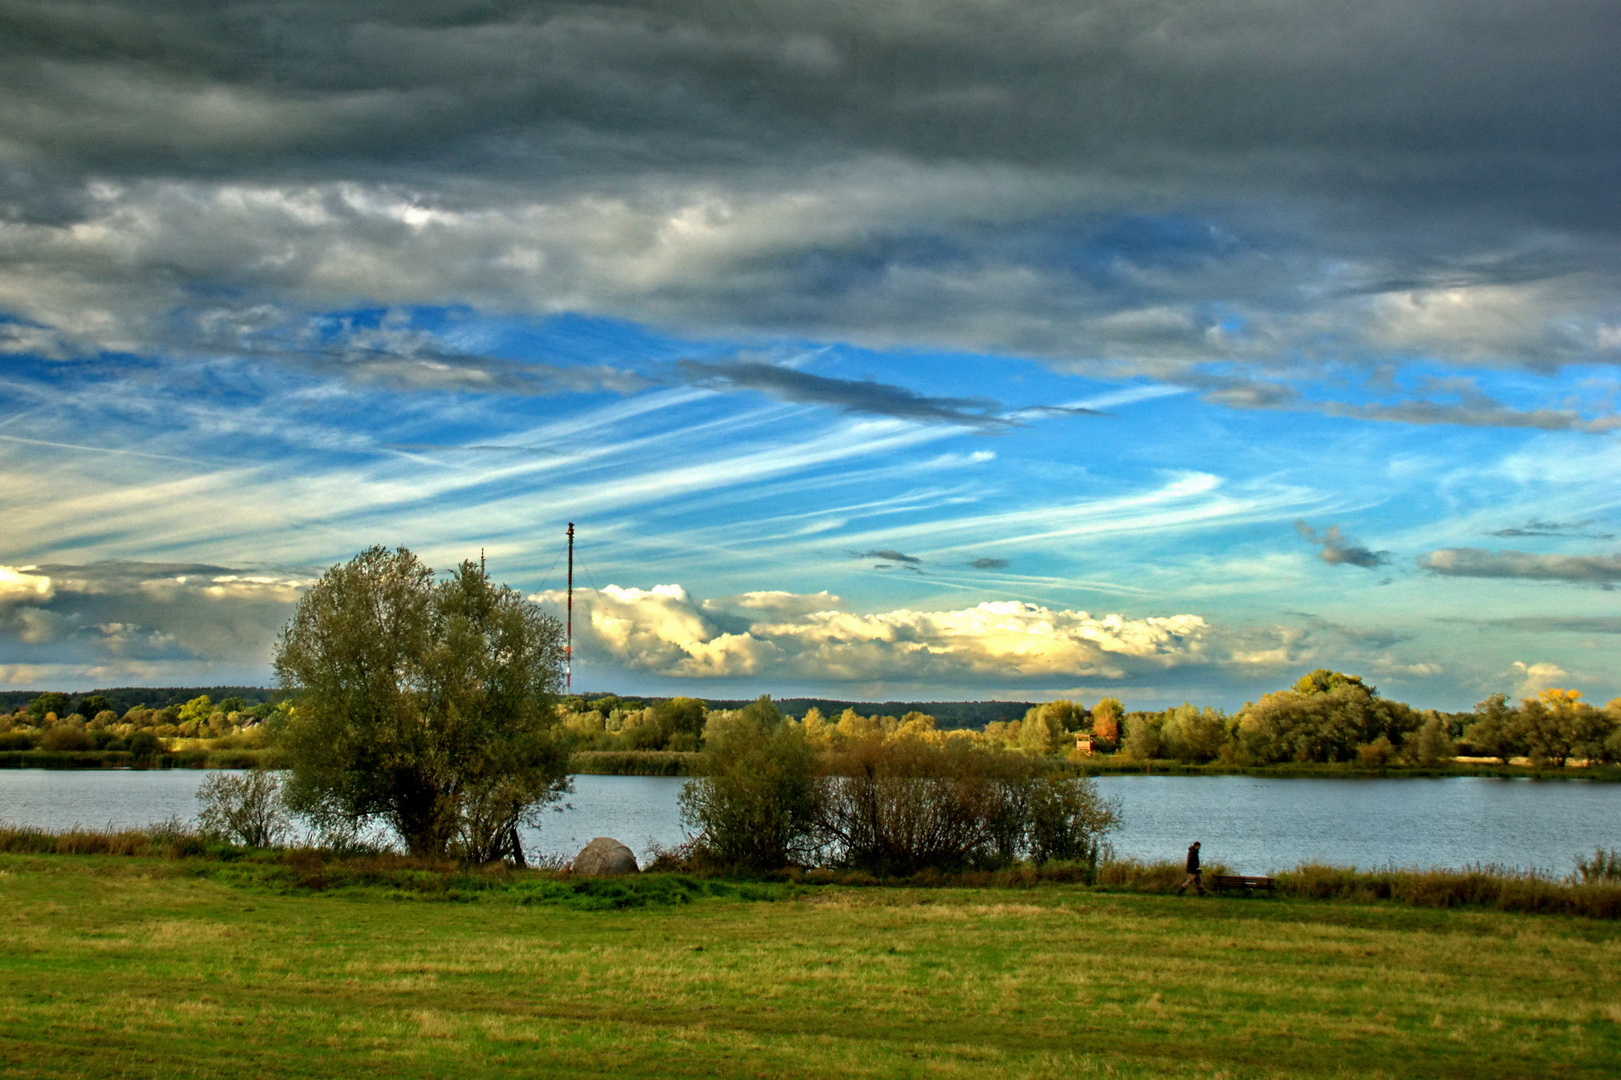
(1591,890)
(1327,723)
(194,966)
(1327,718)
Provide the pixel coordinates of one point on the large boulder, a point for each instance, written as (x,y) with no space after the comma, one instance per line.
(605,855)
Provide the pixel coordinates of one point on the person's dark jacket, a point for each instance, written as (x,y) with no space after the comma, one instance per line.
(1193,860)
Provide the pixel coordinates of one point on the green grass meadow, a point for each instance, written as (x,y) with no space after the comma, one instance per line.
(156,967)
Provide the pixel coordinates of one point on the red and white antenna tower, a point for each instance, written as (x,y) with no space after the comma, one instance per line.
(568,668)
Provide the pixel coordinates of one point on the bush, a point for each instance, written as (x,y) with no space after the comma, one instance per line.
(1376,754)
(65,738)
(144,744)
(759,800)
(245,808)
(1430,746)
(1068,820)
(17,740)
(903,805)
(1133,876)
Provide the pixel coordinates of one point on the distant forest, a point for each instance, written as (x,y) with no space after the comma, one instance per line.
(948,715)
(123,698)
(1326,716)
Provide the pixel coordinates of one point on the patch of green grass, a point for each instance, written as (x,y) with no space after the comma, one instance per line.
(1112,765)
(139,967)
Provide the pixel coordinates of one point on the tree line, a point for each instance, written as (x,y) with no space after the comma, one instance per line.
(45,723)
(1325,717)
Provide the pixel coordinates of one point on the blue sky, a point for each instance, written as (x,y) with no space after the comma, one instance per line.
(864,369)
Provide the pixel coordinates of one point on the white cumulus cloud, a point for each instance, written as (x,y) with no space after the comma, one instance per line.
(663,630)
(24,585)
(1537,677)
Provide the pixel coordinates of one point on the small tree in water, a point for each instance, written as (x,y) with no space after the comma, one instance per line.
(244,808)
(429,706)
(1068,820)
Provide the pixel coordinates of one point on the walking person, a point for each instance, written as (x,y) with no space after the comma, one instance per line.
(1195,876)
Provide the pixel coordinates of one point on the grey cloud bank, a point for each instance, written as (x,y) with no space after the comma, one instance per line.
(1477,562)
(114,617)
(1119,188)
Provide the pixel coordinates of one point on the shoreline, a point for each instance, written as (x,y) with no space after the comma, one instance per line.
(683,763)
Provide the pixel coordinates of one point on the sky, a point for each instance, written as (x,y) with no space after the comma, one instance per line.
(880,350)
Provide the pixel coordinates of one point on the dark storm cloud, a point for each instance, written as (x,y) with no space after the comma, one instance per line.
(1601,570)
(1337,549)
(1121,188)
(849,395)
(466,87)
(146,611)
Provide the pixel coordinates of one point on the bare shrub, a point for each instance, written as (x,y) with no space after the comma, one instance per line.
(1068,820)
(902,805)
(244,808)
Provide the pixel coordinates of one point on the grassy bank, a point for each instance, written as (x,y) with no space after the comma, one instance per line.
(122,759)
(1109,765)
(604,763)
(147,966)
(1594,893)
(633,763)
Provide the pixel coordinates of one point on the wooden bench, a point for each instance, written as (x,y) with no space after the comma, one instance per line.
(1242,883)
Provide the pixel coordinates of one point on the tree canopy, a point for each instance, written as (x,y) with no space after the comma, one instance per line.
(427,705)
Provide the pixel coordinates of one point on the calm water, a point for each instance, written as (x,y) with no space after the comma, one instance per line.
(1252,824)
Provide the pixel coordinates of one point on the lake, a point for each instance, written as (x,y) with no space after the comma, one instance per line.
(1252,824)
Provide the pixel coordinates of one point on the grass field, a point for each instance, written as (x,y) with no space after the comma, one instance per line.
(191,968)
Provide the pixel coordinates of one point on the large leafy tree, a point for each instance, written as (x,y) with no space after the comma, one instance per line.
(428,705)
(1325,717)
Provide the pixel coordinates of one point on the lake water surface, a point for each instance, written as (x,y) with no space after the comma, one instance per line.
(1252,824)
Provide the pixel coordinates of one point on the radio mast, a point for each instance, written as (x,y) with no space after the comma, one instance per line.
(568,667)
